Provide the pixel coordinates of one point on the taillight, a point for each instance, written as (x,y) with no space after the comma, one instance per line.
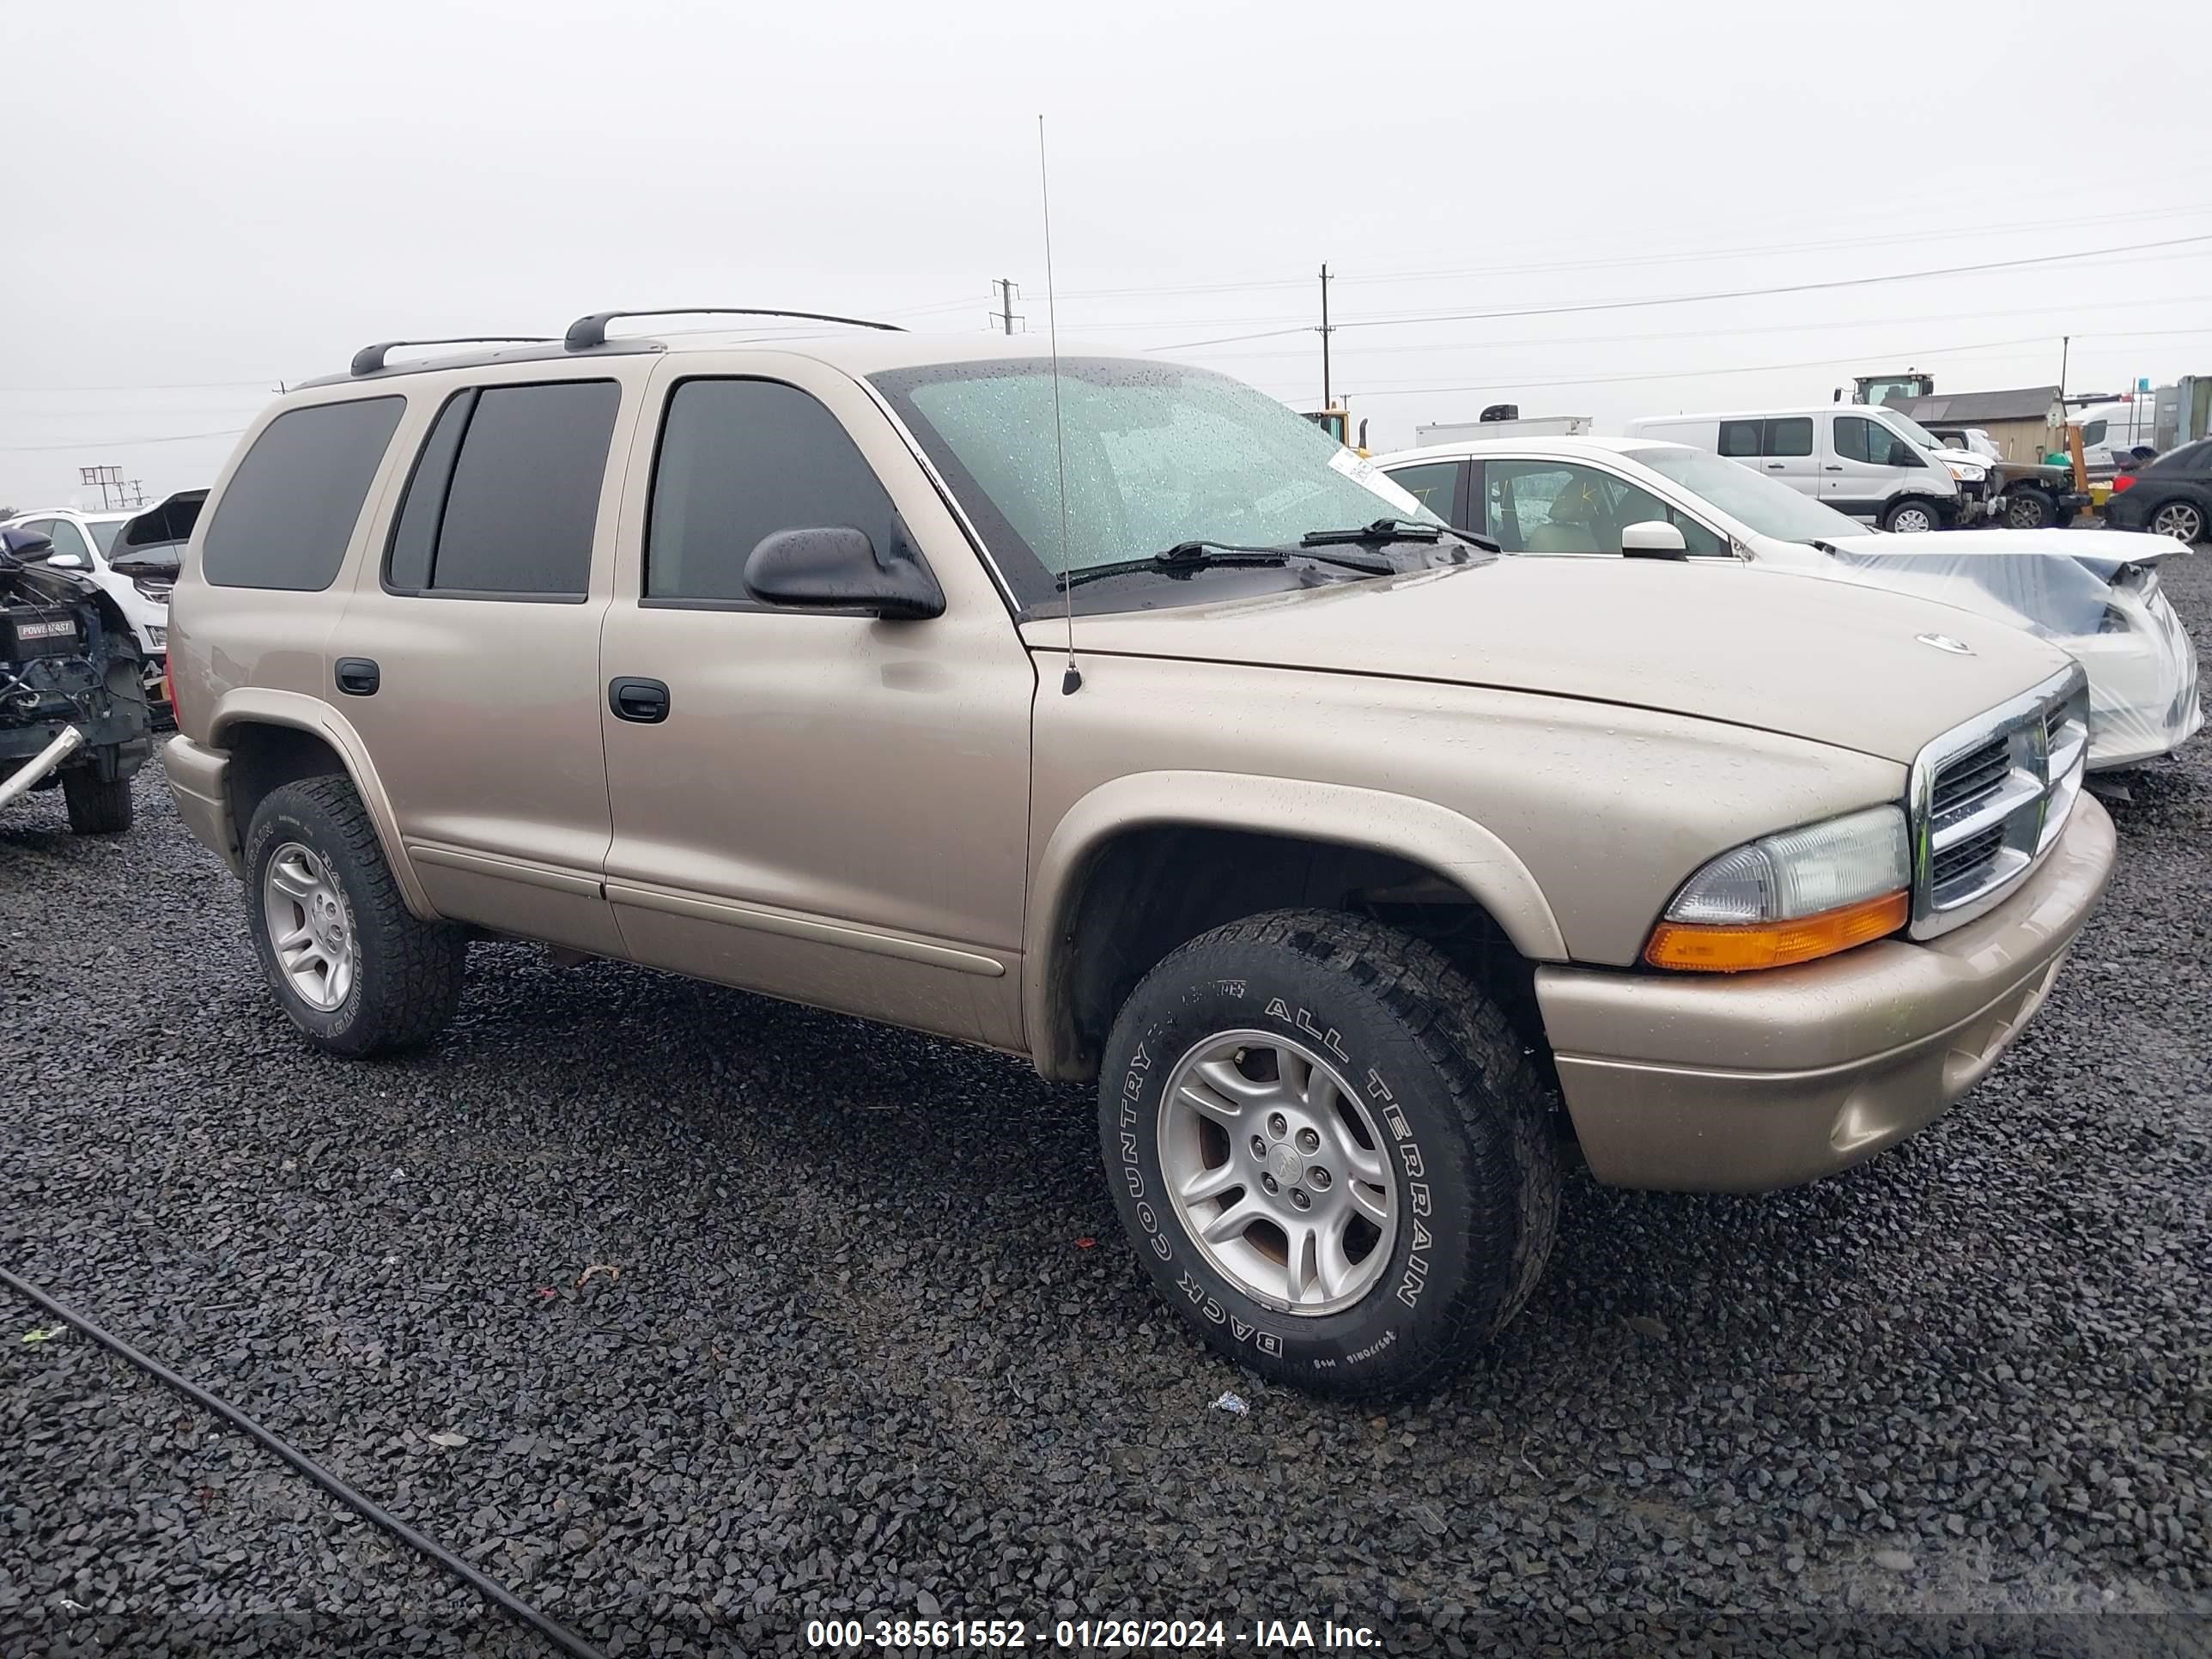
(2123,481)
(169,683)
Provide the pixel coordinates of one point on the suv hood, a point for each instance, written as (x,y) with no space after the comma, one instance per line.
(1801,655)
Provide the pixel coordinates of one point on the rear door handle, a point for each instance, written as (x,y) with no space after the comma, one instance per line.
(358,676)
(1774,466)
(1832,467)
(645,701)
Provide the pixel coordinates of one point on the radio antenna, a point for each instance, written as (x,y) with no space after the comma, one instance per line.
(1073,679)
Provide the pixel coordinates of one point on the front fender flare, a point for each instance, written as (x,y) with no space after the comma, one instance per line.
(1451,845)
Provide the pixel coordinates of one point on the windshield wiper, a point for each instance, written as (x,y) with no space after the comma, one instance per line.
(1383,532)
(1186,557)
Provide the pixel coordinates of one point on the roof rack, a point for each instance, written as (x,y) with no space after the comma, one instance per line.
(585,333)
(370,358)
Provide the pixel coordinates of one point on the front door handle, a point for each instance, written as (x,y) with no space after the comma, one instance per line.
(1774,466)
(358,676)
(645,701)
(1832,467)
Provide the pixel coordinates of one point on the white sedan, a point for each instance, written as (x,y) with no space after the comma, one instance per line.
(2094,593)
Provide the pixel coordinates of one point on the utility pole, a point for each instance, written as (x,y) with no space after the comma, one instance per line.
(2065,349)
(1325,331)
(1005,315)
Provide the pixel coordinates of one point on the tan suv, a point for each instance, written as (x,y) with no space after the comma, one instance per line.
(1369,875)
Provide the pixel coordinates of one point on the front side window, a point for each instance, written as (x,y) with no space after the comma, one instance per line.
(67,538)
(1433,484)
(291,506)
(738,461)
(1858,439)
(1157,455)
(2093,434)
(1551,507)
(505,496)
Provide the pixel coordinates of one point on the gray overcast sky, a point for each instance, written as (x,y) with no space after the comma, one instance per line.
(204,199)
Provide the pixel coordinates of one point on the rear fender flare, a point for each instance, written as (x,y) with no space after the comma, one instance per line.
(260,706)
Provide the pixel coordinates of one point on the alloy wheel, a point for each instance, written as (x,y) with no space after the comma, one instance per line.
(310,926)
(1278,1172)
(2179,520)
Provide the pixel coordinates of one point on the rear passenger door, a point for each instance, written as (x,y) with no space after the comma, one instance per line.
(468,655)
(823,806)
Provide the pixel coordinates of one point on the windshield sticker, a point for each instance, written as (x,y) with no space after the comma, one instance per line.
(1364,473)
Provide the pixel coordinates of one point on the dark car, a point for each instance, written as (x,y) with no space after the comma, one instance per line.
(2171,494)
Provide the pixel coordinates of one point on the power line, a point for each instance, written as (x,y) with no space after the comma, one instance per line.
(1829,285)
(120,443)
(1543,341)
(1677,257)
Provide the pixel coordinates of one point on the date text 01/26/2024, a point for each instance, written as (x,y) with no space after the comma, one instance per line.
(1080,1635)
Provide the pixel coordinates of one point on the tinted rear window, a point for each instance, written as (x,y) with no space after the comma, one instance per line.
(292,505)
(525,497)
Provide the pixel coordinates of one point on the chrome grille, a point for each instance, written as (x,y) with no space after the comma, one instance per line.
(1989,797)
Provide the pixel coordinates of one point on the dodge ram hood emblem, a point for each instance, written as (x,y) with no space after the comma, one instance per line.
(1945,642)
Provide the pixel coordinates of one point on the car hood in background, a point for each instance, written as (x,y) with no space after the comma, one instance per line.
(2055,582)
(2101,552)
(1834,662)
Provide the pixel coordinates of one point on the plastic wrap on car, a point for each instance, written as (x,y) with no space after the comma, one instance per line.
(2112,618)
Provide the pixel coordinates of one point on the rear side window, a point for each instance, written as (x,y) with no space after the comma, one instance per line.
(505,497)
(738,461)
(1740,437)
(292,502)
(1434,484)
(1790,437)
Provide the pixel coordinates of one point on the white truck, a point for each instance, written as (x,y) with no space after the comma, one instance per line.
(1512,426)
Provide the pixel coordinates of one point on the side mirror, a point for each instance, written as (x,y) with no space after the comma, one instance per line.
(67,560)
(1654,539)
(26,546)
(836,568)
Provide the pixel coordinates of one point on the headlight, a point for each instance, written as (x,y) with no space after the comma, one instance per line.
(1965,472)
(1790,897)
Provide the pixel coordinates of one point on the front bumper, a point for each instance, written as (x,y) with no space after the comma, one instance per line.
(1753,1081)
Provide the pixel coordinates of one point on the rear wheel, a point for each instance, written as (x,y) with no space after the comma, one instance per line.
(2180,519)
(357,971)
(2029,510)
(97,806)
(1329,1151)
(1910,518)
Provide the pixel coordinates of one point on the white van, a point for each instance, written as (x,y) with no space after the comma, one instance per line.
(2111,433)
(1874,464)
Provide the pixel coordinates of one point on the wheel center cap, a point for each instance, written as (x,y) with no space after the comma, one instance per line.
(1286,1165)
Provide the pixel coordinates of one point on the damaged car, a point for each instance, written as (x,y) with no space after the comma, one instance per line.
(73,706)
(2094,594)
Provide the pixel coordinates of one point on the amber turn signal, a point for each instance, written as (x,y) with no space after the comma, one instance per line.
(1734,950)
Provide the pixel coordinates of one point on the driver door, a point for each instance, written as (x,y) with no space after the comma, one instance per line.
(825,806)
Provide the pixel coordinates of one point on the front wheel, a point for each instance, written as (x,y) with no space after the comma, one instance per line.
(1910,518)
(1329,1151)
(2029,510)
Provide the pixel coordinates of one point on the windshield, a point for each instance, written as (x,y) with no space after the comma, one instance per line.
(1755,500)
(104,532)
(1157,455)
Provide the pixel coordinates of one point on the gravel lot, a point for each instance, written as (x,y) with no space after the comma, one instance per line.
(875,1345)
